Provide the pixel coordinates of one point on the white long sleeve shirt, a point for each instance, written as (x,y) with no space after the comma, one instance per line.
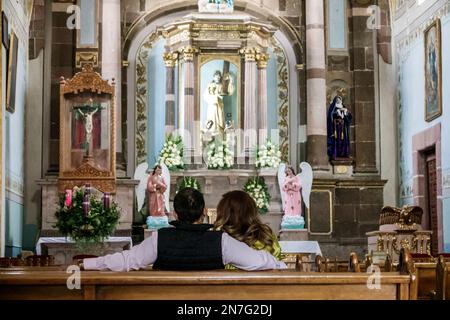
(234,252)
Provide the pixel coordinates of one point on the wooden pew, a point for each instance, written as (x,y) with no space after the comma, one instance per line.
(442,279)
(429,273)
(217,285)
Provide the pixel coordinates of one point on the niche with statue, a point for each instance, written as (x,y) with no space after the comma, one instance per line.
(87,131)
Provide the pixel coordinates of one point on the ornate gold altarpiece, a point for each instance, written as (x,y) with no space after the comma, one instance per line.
(87,132)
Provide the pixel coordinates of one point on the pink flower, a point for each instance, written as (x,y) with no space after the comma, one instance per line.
(68,199)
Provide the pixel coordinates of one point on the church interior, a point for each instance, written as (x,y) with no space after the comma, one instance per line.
(331,114)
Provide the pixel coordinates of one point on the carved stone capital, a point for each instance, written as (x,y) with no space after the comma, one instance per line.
(170,59)
(249,53)
(188,53)
(262,59)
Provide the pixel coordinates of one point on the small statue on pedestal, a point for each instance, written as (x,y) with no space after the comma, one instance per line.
(339,120)
(153,190)
(294,188)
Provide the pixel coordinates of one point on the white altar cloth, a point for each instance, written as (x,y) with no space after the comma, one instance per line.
(300,247)
(68,240)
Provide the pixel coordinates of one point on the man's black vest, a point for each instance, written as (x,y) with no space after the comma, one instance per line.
(189,247)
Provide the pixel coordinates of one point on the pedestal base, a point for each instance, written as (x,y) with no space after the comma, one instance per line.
(294,235)
(155,223)
(343,167)
(64,251)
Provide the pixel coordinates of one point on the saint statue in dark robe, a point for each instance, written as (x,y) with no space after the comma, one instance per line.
(338,130)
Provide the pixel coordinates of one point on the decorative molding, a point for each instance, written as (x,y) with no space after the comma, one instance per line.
(249,53)
(262,59)
(18,20)
(283,99)
(87,80)
(170,59)
(82,58)
(407,38)
(188,53)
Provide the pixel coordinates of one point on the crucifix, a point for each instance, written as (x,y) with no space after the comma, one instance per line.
(87,112)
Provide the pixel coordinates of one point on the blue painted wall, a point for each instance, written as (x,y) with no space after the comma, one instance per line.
(14,148)
(156,101)
(412,91)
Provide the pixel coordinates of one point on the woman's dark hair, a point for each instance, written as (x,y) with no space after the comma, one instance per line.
(155,168)
(189,205)
(238,216)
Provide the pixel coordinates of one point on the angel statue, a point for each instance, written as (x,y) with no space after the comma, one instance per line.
(153,191)
(294,188)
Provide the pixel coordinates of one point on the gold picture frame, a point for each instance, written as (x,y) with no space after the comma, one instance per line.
(433,71)
(12,73)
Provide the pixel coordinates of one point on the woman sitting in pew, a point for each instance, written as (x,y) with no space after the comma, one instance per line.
(238,216)
(190,245)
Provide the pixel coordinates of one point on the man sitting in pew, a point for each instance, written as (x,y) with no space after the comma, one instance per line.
(190,245)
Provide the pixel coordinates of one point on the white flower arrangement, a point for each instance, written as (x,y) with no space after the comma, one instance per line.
(268,155)
(219,156)
(172,153)
(257,189)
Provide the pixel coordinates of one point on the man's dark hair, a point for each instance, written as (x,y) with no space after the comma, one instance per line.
(189,205)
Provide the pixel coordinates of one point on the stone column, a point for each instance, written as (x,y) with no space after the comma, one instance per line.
(316,86)
(170,59)
(250,100)
(262,60)
(112,58)
(188,54)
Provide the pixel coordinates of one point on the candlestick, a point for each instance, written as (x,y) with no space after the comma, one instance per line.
(106,200)
(88,188)
(86,205)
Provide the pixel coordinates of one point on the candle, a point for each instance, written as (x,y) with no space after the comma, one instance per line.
(88,188)
(106,200)
(86,205)
(68,198)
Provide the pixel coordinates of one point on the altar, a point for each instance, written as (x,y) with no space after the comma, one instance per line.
(64,249)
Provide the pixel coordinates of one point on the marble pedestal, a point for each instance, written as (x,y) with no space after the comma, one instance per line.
(294,235)
(343,168)
(64,252)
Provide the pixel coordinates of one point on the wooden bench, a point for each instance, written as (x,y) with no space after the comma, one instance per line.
(217,285)
(431,281)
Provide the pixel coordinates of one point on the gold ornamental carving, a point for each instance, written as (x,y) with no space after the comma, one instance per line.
(188,53)
(86,58)
(86,80)
(219,35)
(262,59)
(170,59)
(249,54)
(406,218)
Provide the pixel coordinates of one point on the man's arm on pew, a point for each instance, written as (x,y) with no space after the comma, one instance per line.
(136,258)
(243,257)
